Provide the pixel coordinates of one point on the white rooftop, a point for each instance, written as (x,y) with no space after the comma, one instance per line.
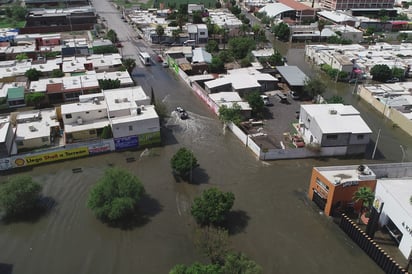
(346,118)
(36,129)
(125,98)
(400,190)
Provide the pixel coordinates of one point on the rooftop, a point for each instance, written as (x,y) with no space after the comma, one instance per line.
(339,175)
(36,128)
(293,75)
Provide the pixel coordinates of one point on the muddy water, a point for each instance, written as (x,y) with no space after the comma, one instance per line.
(272,221)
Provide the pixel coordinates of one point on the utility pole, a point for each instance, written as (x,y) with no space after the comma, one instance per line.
(376,144)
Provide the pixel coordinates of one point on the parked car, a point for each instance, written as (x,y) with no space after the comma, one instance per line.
(265,100)
(298,141)
(393,80)
(282,97)
(182,113)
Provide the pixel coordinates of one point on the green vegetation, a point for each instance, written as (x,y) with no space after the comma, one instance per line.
(19,195)
(335,39)
(105,49)
(14,16)
(217,65)
(282,31)
(256,103)
(34,98)
(381,72)
(112,36)
(183,162)
(241,46)
(129,64)
(336,100)
(233,114)
(21,57)
(365,196)
(213,242)
(33,74)
(197,268)
(107,132)
(115,196)
(56,73)
(109,83)
(314,87)
(212,207)
(334,74)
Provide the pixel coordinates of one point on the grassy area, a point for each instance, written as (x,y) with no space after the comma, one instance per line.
(10,23)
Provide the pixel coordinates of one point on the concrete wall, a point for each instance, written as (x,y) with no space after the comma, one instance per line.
(91,115)
(137,127)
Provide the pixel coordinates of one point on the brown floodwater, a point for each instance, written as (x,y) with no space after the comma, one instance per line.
(272,220)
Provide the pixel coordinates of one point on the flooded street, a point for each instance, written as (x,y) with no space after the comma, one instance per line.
(272,220)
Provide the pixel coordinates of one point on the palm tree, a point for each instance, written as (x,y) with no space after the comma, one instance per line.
(321,26)
(129,64)
(365,196)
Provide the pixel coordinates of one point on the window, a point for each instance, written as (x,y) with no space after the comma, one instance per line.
(322,185)
(202,33)
(45,139)
(92,132)
(332,137)
(130,128)
(68,116)
(87,112)
(360,137)
(100,111)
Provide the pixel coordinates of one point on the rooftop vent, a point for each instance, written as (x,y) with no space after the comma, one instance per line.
(117,101)
(333,111)
(32,128)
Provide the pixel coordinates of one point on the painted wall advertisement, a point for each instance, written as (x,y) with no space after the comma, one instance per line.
(51,157)
(149,139)
(99,148)
(126,142)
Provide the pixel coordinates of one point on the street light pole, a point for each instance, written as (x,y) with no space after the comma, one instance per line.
(376,144)
(403,153)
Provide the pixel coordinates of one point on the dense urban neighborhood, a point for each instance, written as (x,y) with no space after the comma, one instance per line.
(215,136)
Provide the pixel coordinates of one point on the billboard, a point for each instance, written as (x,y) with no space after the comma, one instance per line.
(50,157)
(126,142)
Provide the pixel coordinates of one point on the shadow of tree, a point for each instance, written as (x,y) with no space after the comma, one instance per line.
(148,207)
(6,268)
(199,176)
(236,221)
(43,208)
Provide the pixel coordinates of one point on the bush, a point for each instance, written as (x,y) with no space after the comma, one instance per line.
(182,162)
(115,196)
(19,195)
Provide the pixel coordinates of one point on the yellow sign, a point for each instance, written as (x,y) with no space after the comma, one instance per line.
(52,157)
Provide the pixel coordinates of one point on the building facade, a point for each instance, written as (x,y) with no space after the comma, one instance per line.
(356,4)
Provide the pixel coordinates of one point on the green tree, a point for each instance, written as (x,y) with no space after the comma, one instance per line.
(212,46)
(19,195)
(105,49)
(107,132)
(33,74)
(398,73)
(212,206)
(21,57)
(282,31)
(226,56)
(197,17)
(183,162)
(217,65)
(19,12)
(176,34)
(56,73)
(256,103)
(314,87)
(381,72)
(196,268)
(34,98)
(115,196)
(213,242)
(160,31)
(129,64)
(233,114)
(241,46)
(365,196)
(321,26)
(370,31)
(239,263)
(112,36)
(276,59)
(109,83)
(336,100)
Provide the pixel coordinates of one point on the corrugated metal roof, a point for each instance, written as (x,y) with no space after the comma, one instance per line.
(15,93)
(293,75)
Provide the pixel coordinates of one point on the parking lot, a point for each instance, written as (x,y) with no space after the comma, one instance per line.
(277,123)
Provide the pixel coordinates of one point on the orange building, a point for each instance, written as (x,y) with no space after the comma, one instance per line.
(333,187)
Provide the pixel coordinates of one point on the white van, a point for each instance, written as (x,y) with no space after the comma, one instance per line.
(265,99)
(189,43)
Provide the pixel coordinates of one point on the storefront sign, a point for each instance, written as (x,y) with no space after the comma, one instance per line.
(51,157)
(408,228)
(350,183)
(126,142)
(378,204)
(99,148)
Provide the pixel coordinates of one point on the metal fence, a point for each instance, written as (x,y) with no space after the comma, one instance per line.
(374,251)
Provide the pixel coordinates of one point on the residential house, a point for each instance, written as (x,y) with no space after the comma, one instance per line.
(335,126)
(15,97)
(243,81)
(293,77)
(86,119)
(7,144)
(200,60)
(198,33)
(229,99)
(134,122)
(195,7)
(36,129)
